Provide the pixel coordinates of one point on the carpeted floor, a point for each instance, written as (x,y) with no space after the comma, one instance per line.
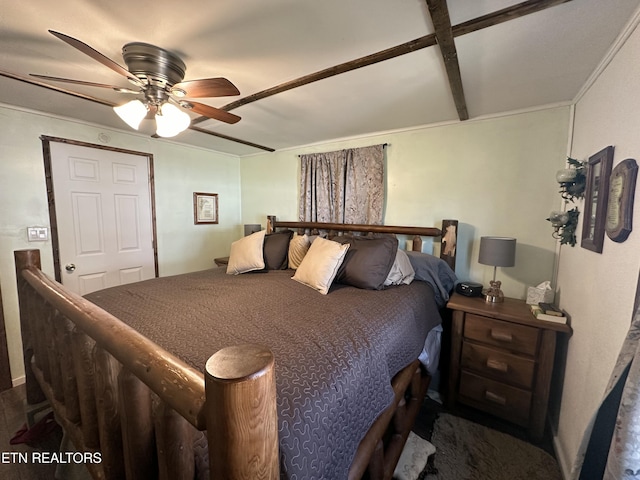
(472,446)
(468,446)
(466,450)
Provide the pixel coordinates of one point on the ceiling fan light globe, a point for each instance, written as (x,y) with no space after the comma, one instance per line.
(132,113)
(170,120)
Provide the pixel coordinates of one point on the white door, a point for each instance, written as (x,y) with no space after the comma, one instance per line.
(103,213)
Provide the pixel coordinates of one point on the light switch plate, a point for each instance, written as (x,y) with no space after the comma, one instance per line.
(37,234)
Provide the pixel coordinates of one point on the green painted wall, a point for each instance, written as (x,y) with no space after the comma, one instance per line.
(179,171)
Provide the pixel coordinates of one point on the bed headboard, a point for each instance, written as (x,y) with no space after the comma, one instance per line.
(448,234)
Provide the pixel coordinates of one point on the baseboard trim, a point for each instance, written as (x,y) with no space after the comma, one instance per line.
(561,457)
(18,381)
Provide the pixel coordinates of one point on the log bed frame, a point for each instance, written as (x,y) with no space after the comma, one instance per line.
(115,392)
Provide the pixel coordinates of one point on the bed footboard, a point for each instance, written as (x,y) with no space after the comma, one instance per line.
(380,450)
(133,407)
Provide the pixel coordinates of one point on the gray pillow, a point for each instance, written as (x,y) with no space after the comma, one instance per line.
(401,272)
(368,261)
(276,249)
(436,272)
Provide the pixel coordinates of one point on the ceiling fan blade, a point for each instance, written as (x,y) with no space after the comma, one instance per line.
(82,82)
(211,112)
(206,87)
(87,50)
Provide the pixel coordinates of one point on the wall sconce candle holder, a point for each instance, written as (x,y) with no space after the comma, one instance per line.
(573,183)
(572,180)
(564,225)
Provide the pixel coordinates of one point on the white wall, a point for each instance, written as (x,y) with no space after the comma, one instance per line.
(598,290)
(496,176)
(179,171)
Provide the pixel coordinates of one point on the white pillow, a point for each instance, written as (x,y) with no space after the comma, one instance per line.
(401,272)
(298,248)
(246,254)
(320,265)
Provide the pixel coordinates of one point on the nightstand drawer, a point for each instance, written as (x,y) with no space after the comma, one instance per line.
(222,261)
(502,400)
(498,365)
(507,335)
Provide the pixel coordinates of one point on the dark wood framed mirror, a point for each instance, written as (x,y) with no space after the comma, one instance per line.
(595,199)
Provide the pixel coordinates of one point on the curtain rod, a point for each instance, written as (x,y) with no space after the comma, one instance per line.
(384,145)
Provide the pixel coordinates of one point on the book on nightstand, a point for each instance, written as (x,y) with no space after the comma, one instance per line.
(541,314)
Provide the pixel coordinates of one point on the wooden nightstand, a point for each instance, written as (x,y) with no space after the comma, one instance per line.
(502,359)
(221,261)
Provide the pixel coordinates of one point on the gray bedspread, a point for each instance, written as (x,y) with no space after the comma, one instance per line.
(335,354)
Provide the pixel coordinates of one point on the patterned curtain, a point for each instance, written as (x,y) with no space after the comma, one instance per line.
(610,448)
(345,186)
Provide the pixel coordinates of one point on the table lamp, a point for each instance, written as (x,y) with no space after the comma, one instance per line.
(499,252)
(250,228)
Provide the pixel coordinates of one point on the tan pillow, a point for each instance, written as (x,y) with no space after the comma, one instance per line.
(320,265)
(298,248)
(246,254)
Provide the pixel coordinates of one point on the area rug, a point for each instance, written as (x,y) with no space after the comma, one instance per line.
(466,450)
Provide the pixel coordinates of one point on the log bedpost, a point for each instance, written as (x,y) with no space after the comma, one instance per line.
(27,259)
(416,244)
(448,242)
(271,224)
(242,423)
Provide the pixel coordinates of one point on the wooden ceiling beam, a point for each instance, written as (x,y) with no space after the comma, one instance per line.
(504,15)
(444,35)
(377,57)
(232,139)
(500,16)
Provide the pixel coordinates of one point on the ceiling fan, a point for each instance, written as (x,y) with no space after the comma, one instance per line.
(158,75)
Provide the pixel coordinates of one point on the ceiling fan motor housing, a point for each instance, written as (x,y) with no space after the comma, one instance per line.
(153,65)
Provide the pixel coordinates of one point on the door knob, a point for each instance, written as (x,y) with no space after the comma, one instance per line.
(70,267)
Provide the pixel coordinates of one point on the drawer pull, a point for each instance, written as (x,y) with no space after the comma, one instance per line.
(497,365)
(501,336)
(492,397)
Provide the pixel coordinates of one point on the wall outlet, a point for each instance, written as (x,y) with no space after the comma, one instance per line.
(37,234)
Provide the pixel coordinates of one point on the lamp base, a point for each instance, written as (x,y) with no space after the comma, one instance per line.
(493,294)
(493,298)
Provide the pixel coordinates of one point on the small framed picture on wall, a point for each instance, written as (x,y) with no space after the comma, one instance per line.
(205,208)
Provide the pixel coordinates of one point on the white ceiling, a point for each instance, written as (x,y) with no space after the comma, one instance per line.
(539,59)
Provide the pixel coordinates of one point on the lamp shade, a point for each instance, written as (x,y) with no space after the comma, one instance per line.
(497,251)
(170,120)
(250,228)
(132,113)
